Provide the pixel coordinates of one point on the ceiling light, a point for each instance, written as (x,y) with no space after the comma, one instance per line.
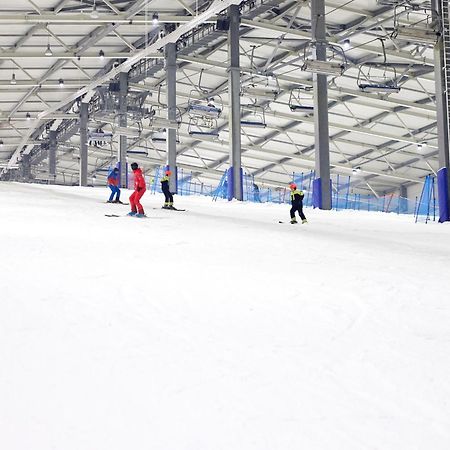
(356,169)
(101,55)
(346,44)
(155,18)
(28,116)
(94,13)
(13,79)
(61,82)
(48,52)
(1,143)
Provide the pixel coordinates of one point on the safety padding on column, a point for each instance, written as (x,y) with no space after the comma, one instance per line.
(443,194)
(230,184)
(317,193)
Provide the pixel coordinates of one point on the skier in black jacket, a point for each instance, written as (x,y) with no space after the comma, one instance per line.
(168,204)
(297,203)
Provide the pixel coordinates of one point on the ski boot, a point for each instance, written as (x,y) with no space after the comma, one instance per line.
(132,213)
(293,220)
(118,201)
(140,215)
(304,221)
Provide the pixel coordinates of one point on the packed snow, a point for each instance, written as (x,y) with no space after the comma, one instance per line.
(219,328)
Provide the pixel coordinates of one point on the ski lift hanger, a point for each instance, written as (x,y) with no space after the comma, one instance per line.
(426,30)
(260,85)
(300,99)
(253,116)
(335,65)
(203,112)
(375,77)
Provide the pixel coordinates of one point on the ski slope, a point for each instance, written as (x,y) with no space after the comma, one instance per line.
(219,328)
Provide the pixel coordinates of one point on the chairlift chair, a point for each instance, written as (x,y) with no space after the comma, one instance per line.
(198,127)
(373,77)
(262,87)
(299,101)
(425,30)
(254,116)
(335,65)
(207,108)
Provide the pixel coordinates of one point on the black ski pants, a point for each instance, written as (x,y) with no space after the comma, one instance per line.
(168,196)
(298,208)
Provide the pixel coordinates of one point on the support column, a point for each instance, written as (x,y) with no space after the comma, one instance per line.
(322,191)
(26,167)
(235,188)
(52,157)
(442,82)
(84,116)
(171,133)
(123,105)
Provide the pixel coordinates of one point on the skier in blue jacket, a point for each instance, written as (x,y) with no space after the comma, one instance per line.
(113,184)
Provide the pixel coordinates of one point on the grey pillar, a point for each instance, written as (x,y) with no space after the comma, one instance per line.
(171,76)
(84,116)
(52,157)
(26,167)
(123,105)
(403,191)
(442,82)
(320,85)
(234,121)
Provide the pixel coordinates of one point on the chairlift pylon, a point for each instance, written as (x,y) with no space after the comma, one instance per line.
(373,77)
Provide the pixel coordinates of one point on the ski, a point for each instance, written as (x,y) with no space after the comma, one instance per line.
(171,209)
(111,215)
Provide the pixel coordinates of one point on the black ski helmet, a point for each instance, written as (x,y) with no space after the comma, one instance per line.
(134,166)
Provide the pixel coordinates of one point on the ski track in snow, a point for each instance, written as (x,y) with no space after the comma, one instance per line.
(219,328)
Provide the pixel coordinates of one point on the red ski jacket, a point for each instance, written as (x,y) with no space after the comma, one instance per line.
(139,181)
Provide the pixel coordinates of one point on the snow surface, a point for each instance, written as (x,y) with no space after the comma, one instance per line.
(219,328)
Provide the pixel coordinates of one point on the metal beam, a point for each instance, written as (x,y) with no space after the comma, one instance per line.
(52,157)
(320,87)
(171,133)
(234,87)
(123,144)
(442,82)
(84,118)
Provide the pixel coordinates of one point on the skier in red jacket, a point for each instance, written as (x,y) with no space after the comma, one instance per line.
(139,190)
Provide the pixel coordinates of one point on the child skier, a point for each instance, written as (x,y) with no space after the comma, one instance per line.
(137,209)
(113,184)
(168,203)
(297,203)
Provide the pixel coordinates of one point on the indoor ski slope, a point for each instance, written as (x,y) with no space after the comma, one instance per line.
(219,328)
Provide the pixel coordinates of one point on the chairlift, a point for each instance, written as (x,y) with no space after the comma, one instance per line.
(253,116)
(200,128)
(261,87)
(160,136)
(424,30)
(99,138)
(300,99)
(336,62)
(373,77)
(204,111)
